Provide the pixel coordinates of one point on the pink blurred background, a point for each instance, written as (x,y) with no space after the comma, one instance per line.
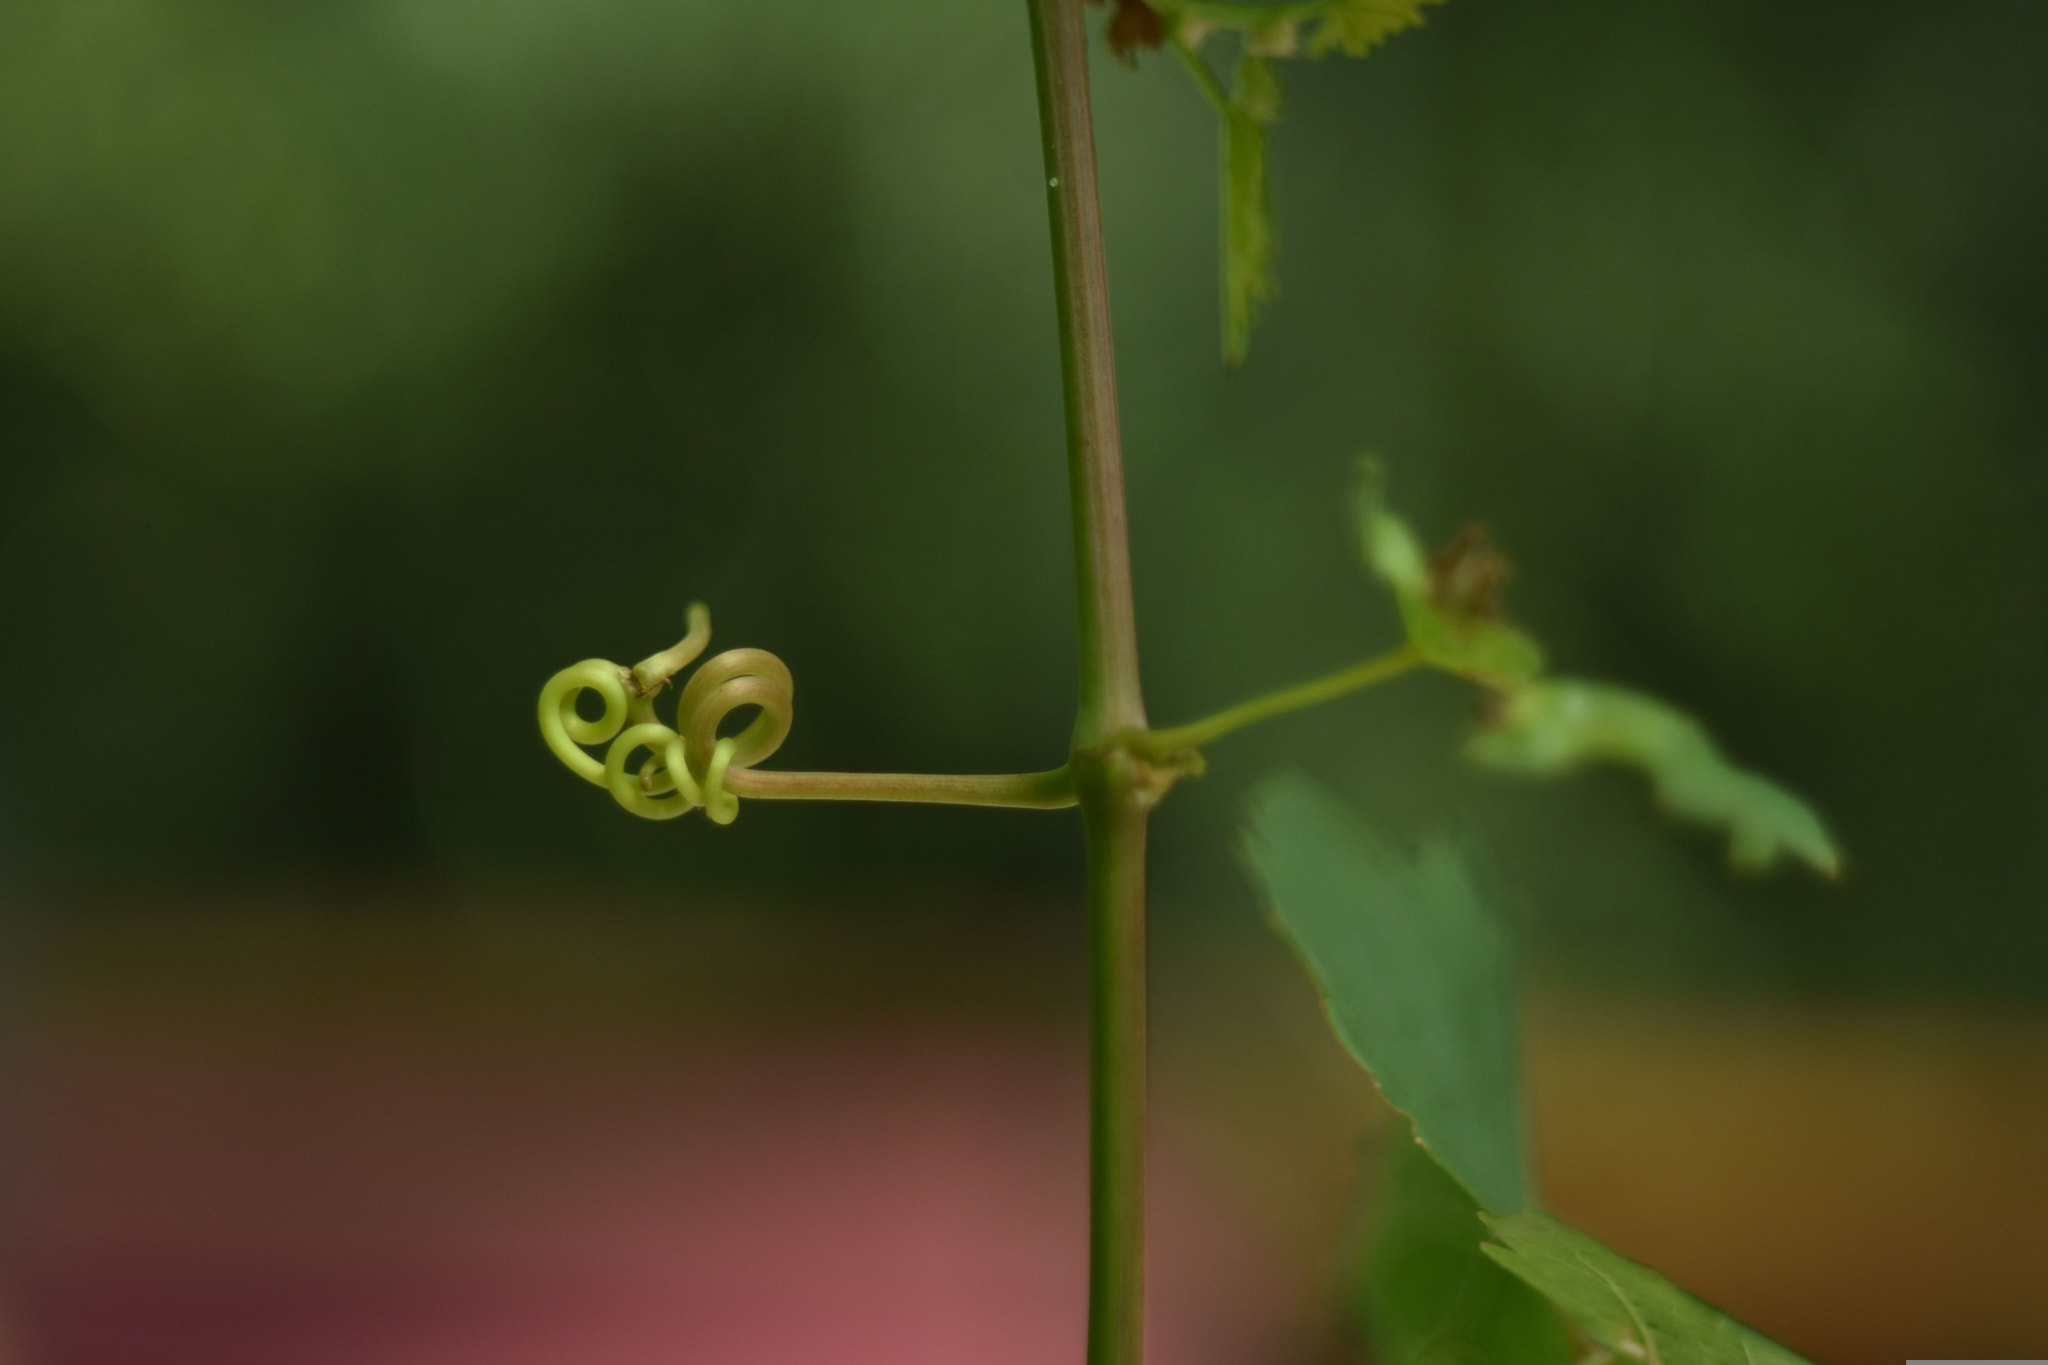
(290,1129)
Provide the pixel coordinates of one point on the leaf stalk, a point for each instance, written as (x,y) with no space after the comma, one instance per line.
(1052,790)
(1160,744)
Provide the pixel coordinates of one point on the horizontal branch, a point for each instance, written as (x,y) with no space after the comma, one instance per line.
(1159,743)
(1029,791)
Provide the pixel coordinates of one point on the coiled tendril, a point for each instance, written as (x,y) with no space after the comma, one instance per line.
(687,764)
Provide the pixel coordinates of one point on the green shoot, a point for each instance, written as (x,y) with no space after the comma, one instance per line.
(1251,104)
(1415,964)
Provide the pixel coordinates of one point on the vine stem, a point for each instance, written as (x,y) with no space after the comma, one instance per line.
(1114,787)
(1027,791)
(1162,743)
(1110,696)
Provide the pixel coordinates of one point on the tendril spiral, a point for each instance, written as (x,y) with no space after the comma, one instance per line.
(687,763)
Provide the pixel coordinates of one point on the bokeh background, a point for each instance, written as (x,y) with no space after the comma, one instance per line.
(363,362)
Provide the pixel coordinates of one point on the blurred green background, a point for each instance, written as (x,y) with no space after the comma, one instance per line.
(363,362)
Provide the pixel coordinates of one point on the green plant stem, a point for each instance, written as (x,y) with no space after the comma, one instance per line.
(1115,789)
(1110,697)
(1160,743)
(1205,79)
(1029,791)
(1114,818)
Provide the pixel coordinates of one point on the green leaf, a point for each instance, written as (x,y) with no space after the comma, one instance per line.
(1558,725)
(1628,1308)
(1249,240)
(1427,1294)
(1449,602)
(1357,27)
(1416,972)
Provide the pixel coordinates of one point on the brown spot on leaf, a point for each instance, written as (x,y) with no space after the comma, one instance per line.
(1467,575)
(1490,709)
(1135,25)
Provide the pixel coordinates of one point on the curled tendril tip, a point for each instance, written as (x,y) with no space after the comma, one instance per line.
(687,763)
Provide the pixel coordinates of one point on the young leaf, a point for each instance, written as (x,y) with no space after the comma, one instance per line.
(1555,726)
(1249,240)
(1627,1308)
(1357,27)
(1416,972)
(1450,602)
(1427,1294)
(1134,27)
